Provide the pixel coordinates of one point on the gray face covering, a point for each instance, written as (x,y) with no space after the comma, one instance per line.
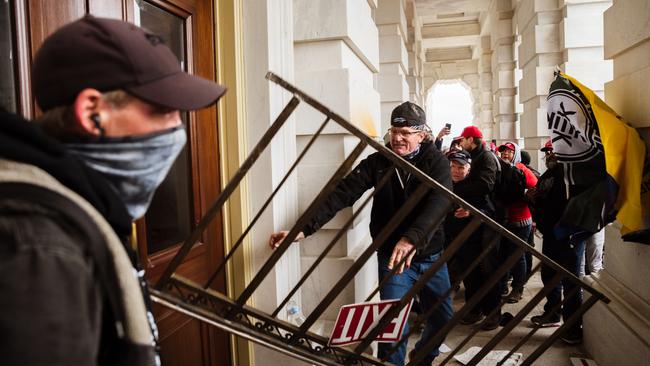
(133,166)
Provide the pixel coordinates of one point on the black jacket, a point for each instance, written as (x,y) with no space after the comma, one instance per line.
(386,202)
(550,200)
(479,183)
(59,297)
(454,226)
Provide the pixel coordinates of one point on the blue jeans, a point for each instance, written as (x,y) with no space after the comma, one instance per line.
(518,271)
(399,284)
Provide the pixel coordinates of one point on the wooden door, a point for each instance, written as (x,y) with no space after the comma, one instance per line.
(187,26)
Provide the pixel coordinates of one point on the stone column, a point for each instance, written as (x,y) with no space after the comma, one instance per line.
(268,45)
(620,330)
(415,55)
(581,39)
(336,60)
(503,77)
(539,53)
(390,18)
(484,120)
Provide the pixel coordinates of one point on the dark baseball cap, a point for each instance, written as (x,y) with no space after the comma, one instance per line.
(408,114)
(461,156)
(109,54)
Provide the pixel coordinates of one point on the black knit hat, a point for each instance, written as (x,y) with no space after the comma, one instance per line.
(408,114)
(109,54)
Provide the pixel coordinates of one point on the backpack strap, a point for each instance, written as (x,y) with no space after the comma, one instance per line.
(128,295)
(92,238)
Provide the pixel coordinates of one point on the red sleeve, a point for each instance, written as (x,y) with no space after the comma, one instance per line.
(531,179)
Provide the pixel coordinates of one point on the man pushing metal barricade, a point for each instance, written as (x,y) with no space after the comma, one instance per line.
(399,252)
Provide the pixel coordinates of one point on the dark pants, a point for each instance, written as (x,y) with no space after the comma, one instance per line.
(528,255)
(570,258)
(478,277)
(399,284)
(518,271)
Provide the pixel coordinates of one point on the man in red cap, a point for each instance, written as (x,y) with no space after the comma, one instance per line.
(72,182)
(478,187)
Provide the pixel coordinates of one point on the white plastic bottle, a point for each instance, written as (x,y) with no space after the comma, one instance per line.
(294,314)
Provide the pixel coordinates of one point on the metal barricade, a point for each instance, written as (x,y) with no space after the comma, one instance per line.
(234,316)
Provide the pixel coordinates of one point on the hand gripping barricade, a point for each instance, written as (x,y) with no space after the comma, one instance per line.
(232,314)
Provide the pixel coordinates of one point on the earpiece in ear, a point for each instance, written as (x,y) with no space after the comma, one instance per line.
(96,120)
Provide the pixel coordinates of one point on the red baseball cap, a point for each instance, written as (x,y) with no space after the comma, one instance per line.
(109,54)
(507,145)
(472,131)
(548,146)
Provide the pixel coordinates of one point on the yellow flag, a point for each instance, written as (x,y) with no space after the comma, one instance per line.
(625,154)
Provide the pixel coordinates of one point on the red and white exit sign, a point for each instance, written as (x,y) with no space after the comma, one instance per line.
(354,322)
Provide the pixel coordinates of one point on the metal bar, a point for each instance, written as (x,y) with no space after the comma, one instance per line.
(225,194)
(266,204)
(316,343)
(403,164)
(536,327)
(469,337)
(331,244)
(516,320)
(549,341)
(302,221)
(393,311)
(423,317)
(492,281)
(261,338)
(424,278)
(376,243)
(473,225)
(213,296)
(234,316)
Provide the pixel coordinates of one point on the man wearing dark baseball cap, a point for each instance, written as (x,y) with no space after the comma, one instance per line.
(72,182)
(412,247)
